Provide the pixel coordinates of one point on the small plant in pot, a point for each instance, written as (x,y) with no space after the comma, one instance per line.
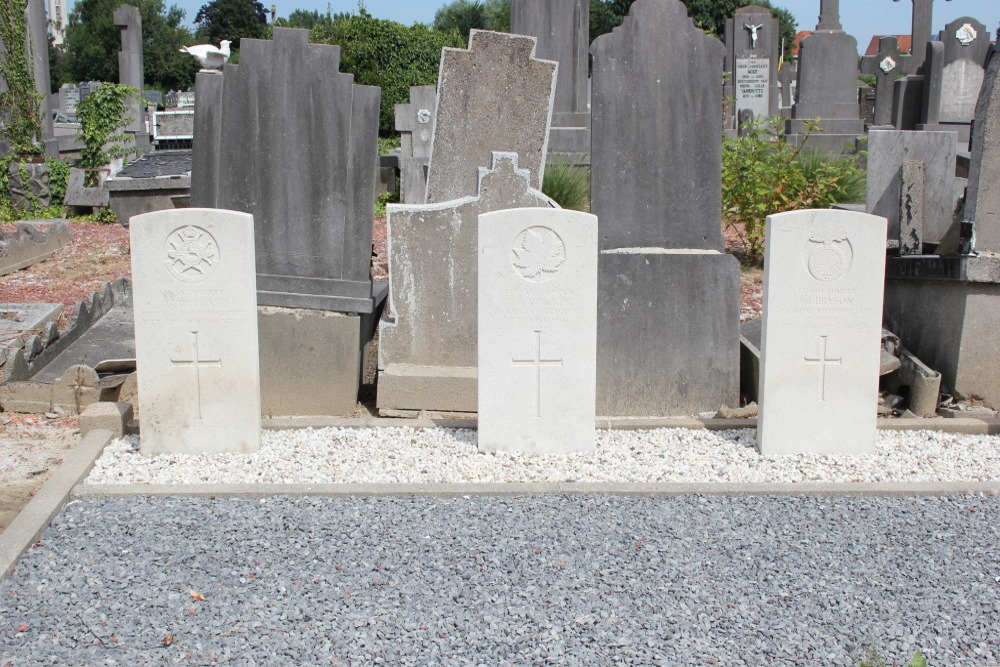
(24,170)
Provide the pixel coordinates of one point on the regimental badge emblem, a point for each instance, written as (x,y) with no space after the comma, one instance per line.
(537,254)
(887,65)
(829,254)
(966,34)
(192,254)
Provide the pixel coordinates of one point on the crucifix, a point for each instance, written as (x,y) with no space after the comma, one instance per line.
(196,362)
(822,361)
(920,29)
(886,66)
(538,363)
(753,33)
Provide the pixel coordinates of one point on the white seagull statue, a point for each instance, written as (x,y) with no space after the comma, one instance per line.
(208,55)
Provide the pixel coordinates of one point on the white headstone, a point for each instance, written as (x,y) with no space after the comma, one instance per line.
(195,304)
(537,330)
(821,335)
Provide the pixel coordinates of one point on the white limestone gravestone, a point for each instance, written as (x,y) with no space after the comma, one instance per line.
(537,330)
(821,333)
(195,306)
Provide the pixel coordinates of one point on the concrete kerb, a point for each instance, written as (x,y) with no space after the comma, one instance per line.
(39,512)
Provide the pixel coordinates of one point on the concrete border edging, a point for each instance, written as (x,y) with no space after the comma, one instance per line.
(35,517)
(881,489)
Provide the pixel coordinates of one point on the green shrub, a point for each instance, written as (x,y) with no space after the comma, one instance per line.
(22,109)
(58,179)
(387,54)
(763,174)
(103,117)
(568,184)
(388,144)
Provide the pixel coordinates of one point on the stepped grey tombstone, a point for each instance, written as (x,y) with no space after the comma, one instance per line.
(415,123)
(495,96)
(668,299)
(886,66)
(427,343)
(888,150)
(821,332)
(752,54)
(955,68)
(562,28)
(309,181)
(195,313)
(982,206)
(537,335)
(130,65)
(828,85)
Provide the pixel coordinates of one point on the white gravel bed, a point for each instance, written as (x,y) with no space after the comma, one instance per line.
(442,455)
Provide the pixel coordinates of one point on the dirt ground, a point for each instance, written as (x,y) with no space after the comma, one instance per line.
(31,448)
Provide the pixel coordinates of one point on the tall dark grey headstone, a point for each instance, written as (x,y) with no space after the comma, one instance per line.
(752,54)
(415,123)
(298,148)
(130,65)
(828,84)
(496,96)
(886,66)
(562,28)
(982,206)
(954,73)
(667,330)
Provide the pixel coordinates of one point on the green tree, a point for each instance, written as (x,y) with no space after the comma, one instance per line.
(93,42)
(303,18)
(231,19)
(464,15)
(387,54)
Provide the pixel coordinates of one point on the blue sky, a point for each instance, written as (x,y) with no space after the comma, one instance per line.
(861,18)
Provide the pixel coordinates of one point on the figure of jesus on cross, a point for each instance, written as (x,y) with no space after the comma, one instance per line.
(753,33)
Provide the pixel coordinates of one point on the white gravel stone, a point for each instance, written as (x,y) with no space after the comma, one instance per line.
(442,455)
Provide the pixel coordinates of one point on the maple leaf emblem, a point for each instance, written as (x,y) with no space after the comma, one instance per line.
(538,253)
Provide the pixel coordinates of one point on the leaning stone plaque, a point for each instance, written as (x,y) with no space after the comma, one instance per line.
(195,306)
(537,330)
(821,333)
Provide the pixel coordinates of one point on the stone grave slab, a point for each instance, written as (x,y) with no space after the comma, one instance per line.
(195,308)
(537,330)
(427,343)
(821,333)
(494,96)
(32,241)
(887,151)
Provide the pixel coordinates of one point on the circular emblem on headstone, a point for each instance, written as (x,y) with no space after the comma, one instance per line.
(424,116)
(537,254)
(888,64)
(966,34)
(192,254)
(829,254)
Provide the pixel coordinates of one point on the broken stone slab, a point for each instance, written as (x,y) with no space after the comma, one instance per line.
(79,194)
(32,242)
(109,416)
(16,318)
(918,381)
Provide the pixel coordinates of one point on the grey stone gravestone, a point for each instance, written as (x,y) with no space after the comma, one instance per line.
(954,74)
(37,46)
(887,151)
(495,96)
(427,344)
(668,310)
(828,84)
(309,183)
(130,66)
(153,97)
(886,66)
(562,28)
(752,54)
(982,206)
(415,123)
(87,87)
(787,81)
(821,332)
(920,30)
(69,97)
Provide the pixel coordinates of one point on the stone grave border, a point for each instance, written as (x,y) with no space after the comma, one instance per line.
(66,483)
(32,241)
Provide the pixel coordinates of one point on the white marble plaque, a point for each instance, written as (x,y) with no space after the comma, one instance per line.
(195,307)
(537,330)
(821,333)
(753,79)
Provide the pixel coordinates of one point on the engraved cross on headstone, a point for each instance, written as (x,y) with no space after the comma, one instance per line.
(886,65)
(822,361)
(196,362)
(537,363)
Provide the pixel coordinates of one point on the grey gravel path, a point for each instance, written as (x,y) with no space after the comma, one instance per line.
(531,580)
